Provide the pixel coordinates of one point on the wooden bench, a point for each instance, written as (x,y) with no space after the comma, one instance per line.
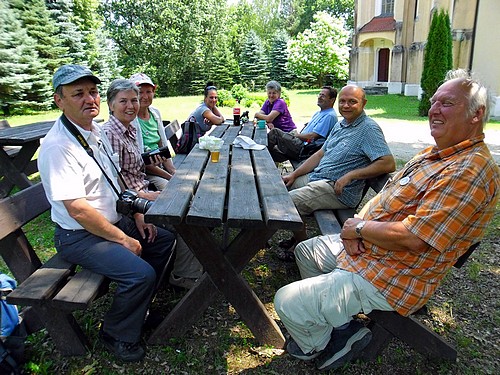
(55,289)
(388,324)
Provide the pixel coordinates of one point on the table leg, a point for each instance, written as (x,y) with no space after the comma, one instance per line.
(204,292)
(13,169)
(19,255)
(223,274)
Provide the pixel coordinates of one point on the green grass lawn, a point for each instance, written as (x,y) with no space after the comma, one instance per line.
(302,106)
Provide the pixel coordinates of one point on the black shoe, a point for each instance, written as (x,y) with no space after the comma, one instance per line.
(124,351)
(294,350)
(344,345)
(287,244)
(286,255)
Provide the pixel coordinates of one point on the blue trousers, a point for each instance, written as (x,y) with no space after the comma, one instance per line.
(135,276)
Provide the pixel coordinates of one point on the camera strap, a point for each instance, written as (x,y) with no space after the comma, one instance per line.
(81,140)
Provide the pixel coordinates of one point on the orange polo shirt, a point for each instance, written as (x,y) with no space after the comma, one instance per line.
(446,198)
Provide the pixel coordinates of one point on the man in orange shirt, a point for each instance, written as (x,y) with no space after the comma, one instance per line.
(405,239)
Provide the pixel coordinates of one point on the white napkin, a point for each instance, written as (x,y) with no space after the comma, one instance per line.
(247,143)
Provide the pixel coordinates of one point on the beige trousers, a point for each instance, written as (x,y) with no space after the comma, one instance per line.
(327,297)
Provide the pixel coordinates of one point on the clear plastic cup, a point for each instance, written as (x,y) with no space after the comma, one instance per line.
(214,145)
(214,156)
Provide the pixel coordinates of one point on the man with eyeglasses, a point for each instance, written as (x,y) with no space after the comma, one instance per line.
(393,256)
(334,176)
(295,146)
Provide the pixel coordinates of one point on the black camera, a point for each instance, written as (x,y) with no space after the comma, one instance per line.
(163,152)
(245,116)
(129,203)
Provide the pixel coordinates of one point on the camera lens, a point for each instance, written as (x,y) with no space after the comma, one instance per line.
(141,205)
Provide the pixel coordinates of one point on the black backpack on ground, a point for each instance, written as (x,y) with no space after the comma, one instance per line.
(8,365)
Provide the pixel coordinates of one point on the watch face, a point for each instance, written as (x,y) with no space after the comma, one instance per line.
(359,226)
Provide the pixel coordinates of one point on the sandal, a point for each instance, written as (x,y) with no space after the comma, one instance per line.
(287,244)
(286,256)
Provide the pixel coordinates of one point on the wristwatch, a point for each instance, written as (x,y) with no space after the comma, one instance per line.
(359,227)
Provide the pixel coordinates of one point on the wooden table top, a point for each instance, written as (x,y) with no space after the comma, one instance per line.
(243,189)
(20,135)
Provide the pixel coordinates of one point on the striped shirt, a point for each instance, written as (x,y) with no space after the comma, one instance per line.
(446,198)
(124,142)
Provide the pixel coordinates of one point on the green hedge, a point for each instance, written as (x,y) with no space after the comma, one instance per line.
(246,98)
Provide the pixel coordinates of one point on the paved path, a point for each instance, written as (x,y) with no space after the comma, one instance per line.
(406,139)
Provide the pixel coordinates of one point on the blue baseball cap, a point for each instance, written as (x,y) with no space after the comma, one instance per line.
(67,74)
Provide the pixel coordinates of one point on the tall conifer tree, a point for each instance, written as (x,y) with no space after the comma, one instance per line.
(42,29)
(20,70)
(253,63)
(437,59)
(278,59)
(71,38)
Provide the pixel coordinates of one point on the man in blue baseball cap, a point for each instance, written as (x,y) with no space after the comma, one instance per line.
(82,190)
(70,73)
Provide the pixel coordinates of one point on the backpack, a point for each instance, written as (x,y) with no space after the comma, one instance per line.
(8,313)
(191,133)
(310,148)
(9,324)
(8,364)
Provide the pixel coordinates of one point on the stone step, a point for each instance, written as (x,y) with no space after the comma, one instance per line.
(375,90)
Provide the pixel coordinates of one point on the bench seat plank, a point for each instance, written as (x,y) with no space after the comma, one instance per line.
(413,333)
(327,222)
(80,291)
(42,284)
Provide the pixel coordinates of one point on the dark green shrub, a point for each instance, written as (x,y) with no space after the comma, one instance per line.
(239,92)
(225,98)
(285,96)
(249,101)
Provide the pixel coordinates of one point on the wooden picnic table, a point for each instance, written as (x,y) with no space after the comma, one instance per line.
(15,167)
(243,193)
